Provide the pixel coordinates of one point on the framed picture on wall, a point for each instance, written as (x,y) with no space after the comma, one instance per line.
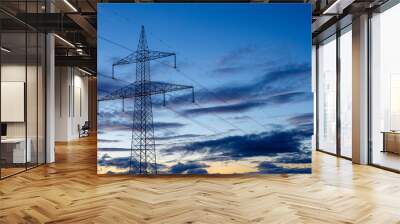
(204,89)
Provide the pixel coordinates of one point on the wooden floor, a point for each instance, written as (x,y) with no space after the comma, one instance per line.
(69,191)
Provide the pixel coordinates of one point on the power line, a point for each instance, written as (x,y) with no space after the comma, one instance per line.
(113,78)
(176,112)
(143,158)
(150,32)
(115,43)
(103,90)
(223,119)
(234,126)
(207,89)
(215,95)
(169,46)
(216,131)
(182,73)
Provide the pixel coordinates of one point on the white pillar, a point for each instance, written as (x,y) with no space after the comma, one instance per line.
(50,99)
(50,92)
(360,90)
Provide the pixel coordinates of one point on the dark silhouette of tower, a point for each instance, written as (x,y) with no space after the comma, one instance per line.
(143,158)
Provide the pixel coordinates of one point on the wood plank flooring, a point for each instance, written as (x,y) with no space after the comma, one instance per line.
(69,191)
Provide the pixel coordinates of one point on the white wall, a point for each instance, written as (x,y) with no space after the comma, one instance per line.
(71,102)
(12,73)
(81,102)
(62,82)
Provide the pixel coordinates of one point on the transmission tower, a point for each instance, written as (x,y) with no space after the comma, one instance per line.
(143,153)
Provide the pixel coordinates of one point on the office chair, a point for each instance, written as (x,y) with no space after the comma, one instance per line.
(84,130)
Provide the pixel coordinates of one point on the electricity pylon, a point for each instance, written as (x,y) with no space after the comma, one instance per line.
(143,158)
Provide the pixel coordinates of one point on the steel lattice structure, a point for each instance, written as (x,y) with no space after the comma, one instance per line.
(143,158)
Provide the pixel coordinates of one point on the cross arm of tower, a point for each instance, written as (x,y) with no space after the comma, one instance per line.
(142,56)
(140,89)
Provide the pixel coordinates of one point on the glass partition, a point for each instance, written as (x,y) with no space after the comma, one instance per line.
(22,91)
(41,97)
(346,92)
(13,105)
(327,95)
(31,98)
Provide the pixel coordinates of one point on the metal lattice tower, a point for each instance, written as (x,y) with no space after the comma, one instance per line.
(143,158)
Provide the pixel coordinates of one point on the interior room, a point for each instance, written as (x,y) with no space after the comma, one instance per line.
(22,103)
(49,97)
(25,53)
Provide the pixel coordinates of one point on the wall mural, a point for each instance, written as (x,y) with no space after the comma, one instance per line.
(204,89)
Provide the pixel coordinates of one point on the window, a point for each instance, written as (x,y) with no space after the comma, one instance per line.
(346,92)
(327,95)
(385,89)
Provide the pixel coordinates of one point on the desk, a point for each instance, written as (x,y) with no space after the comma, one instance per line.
(13,150)
(391,141)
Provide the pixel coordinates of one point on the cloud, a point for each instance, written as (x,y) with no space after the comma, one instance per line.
(236,55)
(271,168)
(121,162)
(289,98)
(298,72)
(125,115)
(229,70)
(232,108)
(294,158)
(189,168)
(118,162)
(118,120)
(173,137)
(108,140)
(113,126)
(106,84)
(250,58)
(113,149)
(248,105)
(245,59)
(172,125)
(115,120)
(302,119)
(241,117)
(279,81)
(244,146)
(197,171)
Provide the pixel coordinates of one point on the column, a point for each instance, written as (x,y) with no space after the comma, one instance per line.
(360,90)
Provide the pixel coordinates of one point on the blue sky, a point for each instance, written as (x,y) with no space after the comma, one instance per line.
(250,65)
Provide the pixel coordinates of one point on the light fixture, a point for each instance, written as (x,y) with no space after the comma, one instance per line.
(5,50)
(84,71)
(70,5)
(337,7)
(64,40)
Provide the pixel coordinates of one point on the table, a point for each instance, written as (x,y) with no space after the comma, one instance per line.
(13,150)
(391,141)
